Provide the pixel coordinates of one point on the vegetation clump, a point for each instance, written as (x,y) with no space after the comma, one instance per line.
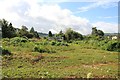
(42,49)
(5,51)
(112,46)
(53,43)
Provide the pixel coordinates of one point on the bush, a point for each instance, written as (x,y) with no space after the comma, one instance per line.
(102,43)
(43,49)
(36,49)
(45,43)
(6,39)
(53,43)
(112,46)
(25,37)
(64,44)
(5,51)
(59,44)
(17,40)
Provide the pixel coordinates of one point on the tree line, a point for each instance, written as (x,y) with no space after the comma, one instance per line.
(8,31)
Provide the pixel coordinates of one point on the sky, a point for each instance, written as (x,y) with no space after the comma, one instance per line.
(56,15)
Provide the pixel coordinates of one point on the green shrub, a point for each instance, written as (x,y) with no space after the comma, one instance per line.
(6,39)
(58,44)
(5,51)
(25,37)
(17,40)
(70,41)
(64,44)
(45,43)
(42,43)
(53,43)
(43,49)
(36,49)
(112,46)
(102,43)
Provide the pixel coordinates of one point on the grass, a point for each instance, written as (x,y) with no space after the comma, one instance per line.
(73,61)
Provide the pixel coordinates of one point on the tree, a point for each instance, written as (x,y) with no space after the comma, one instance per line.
(35,33)
(29,35)
(8,31)
(100,33)
(68,34)
(4,25)
(77,35)
(61,33)
(24,28)
(50,34)
(12,31)
(94,31)
(97,32)
(23,31)
(32,30)
(72,35)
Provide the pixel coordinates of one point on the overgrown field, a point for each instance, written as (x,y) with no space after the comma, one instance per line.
(50,59)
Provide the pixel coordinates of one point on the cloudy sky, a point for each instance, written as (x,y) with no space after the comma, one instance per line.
(56,15)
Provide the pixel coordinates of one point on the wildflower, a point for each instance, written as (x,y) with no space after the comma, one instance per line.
(46,72)
(89,75)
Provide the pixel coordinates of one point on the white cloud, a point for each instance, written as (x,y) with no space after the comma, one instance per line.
(107,27)
(59,1)
(43,17)
(107,17)
(103,4)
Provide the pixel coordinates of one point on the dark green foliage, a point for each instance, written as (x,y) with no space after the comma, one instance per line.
(72,35)
(50,34)
(24,28)
(8,31)
(53,43)
(112,46)
(30,35)
(43,49)
(60,34)
(32,30)
(33,33)
(98,33)
(18,40)
(94,31)
(23,32)
(5,51)
(109,45)
(36,35)
(64,44)
(5,39)
(64,38)
(38,49)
